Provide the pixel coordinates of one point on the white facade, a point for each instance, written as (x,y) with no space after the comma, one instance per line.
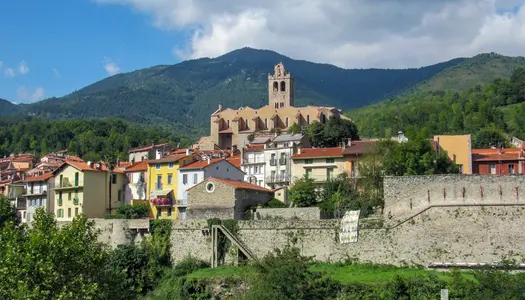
(278,166)
(189,177)
(253,164)
(136,187)
(36,197)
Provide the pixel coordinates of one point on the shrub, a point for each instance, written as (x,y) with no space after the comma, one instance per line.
(275,203)
(137,211)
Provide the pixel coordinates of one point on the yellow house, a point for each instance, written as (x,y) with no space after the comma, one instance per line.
(320,164)
(354,152)
(459,150)
(86,188)
(162,184)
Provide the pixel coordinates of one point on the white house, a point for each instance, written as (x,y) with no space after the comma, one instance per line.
(196,172)
(135,190)
(277,156)
(252,163)
(35,196)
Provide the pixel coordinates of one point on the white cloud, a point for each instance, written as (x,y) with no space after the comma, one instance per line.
(110,66)
(9,72)
(348,33)
(22,68)
(56,72)
(25,94)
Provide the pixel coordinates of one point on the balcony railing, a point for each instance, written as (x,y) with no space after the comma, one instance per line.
(278,179)
(21,203)
(68,184)
(254,160)
(282,161)
(161,202)
(273,162)
(75,201)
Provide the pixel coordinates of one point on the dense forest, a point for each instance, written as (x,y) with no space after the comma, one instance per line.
(89,139)
(495,108)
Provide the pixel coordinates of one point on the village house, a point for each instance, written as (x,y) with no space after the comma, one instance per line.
(498,161)
(253,164)
(319,164)
(224,199)
(136,187)
(162,183)
(229,127)
(195,172)
(86,188)
(37,194)
(458,148)
(149,152)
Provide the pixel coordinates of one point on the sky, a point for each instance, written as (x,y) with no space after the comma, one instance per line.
(54,47)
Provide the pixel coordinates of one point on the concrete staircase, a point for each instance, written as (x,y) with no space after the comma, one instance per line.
(241,247)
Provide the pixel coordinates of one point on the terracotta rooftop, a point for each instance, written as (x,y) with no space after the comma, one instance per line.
(43,177)
(201,164)
(147,148)
(138,167)
(168,159)
(360,147)
(497,154)
(83,166)
(319,153)
(235,160)
(234,184)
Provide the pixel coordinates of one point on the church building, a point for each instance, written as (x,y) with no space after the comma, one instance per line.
(230,127)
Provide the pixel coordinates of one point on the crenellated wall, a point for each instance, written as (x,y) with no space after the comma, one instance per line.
(475,228)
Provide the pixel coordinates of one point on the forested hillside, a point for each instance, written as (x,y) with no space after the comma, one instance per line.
(89,139)
(498,106)
(8,108)
(184,95)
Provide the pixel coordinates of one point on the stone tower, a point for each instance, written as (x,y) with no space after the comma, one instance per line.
(280,87)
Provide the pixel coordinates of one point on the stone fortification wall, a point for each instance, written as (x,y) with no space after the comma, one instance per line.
(301,213)
(408,195)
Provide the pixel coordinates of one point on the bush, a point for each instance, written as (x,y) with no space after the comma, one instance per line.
(275,203)
(137,211)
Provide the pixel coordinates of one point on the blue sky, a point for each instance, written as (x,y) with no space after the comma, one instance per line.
(66,44)
(53,47)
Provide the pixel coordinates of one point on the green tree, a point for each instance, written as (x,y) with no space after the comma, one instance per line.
(333,133)
(7,213)
(294,129)
(489,136)
(303,192)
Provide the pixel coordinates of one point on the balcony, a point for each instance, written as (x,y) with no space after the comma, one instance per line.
(248,161)
(75,201)
(273,162)
(278,179)
(66,183)
(282,161)
(162,202)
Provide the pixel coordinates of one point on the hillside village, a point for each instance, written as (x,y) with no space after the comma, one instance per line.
(251,157)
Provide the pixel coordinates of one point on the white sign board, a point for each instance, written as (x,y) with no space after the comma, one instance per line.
(349,227)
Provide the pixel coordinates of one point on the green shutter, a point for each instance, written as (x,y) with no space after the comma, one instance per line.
(76,179)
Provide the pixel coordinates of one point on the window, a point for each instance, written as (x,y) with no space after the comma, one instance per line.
(309,173)
(76,178)
(260,183)
(492,168)
(58,213)
(195,178)
(308,161)
(511,169)
(185,179)
(330,160)
(69,212)
(329,173)
(283,86)
(169,211)
(60,195)
(256,170)
(157,167)
(159,182)
(170,165)
(76,211)
(69,196)
(114,178)
(265,123)
(170,178)
(286,121)
(307,119)
(119,197)
(210,187)
(40,202)
(228,123)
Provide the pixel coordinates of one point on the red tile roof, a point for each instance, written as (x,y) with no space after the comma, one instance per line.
(319,153)
(83,166)
(497,154)
(234,184)
(201,164)
(138,167)
(360,147)
(146,148)
(169,158)
(235,160)
(254,147)
(43,177)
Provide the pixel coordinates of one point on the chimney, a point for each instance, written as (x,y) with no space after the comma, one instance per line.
(133,161)
(220,106)
(158,154)
(208,160)
(90,164)
(299,150)
(242,156)
(188,151)
(234,149)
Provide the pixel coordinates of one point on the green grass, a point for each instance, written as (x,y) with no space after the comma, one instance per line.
(345,274)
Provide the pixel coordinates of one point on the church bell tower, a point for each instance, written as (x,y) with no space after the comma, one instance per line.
(280,87)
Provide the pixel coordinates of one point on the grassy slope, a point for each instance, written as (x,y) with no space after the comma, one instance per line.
(345,274)
(478,70)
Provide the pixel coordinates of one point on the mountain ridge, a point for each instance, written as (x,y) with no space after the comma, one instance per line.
(183,95)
